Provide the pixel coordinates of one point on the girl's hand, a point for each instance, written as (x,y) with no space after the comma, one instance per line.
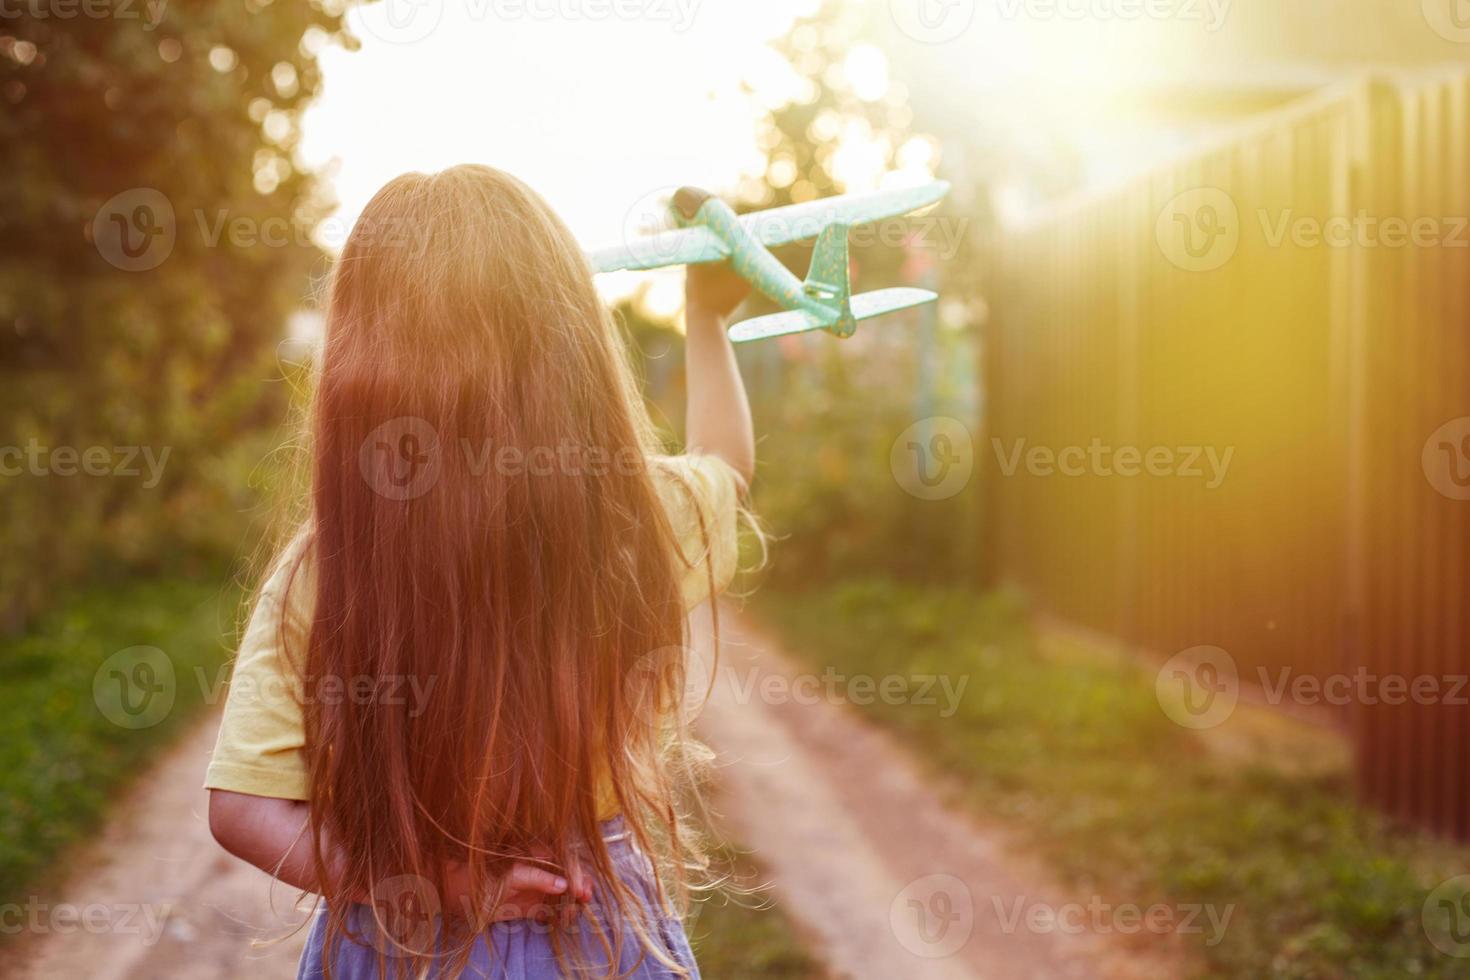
(272,835)
(713,289)
(531,890)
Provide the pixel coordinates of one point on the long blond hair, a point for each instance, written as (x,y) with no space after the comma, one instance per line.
(484,526)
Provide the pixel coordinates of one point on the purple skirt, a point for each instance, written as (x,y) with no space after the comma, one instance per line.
(521,949)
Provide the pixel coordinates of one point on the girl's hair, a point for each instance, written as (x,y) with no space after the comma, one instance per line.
(496,584)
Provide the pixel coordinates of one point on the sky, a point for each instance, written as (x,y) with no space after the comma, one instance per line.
(605,106)
(595,114)
(602,106)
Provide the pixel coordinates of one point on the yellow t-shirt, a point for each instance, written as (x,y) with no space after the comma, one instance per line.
(262,738)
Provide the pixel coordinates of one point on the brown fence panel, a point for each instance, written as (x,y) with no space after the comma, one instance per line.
(1410,460)
(1109,337)
(1213,312)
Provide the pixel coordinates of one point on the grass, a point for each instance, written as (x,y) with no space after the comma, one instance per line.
(749,937)
(1065,741)
(62,758)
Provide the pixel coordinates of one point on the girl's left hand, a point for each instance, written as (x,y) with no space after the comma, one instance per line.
(531,890)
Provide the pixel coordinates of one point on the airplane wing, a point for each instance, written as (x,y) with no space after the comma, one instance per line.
(778,325)
(681,246)
(865,306)
(798,222)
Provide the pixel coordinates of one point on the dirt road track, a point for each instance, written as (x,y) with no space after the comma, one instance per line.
(838,815)
(863,852)
(157,854)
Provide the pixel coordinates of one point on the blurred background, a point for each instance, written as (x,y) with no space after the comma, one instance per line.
(1139,560)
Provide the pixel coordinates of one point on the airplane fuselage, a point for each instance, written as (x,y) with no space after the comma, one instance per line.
(751,259)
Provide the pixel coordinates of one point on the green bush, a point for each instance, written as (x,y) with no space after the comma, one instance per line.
(828,415)
(63,753)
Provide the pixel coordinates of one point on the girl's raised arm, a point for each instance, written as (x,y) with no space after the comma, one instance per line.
(718,416)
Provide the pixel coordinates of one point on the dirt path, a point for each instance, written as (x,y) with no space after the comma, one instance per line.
(889,882)
(179,908)
(863,852)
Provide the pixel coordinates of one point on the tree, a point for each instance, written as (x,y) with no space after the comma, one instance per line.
(154,234)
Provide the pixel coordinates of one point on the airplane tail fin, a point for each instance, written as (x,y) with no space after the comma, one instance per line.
(828,283)
(827,278)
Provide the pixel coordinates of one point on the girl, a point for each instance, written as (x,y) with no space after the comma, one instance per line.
(455,712)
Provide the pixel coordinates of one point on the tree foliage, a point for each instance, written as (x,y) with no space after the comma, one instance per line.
(154,235)
(832,411)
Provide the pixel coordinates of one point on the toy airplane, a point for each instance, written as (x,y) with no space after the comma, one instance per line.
(709,231)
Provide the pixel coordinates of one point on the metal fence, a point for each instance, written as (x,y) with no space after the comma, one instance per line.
(1213,397)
